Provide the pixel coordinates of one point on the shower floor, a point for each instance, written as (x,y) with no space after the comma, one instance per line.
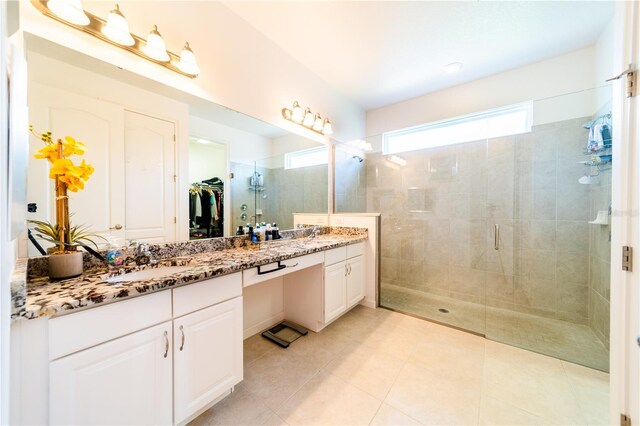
(571,342)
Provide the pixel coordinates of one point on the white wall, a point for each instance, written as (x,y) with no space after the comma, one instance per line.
(568,73)
(206,161)
(244,147)
(241,68)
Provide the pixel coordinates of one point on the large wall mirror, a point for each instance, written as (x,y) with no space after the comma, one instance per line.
(169,166)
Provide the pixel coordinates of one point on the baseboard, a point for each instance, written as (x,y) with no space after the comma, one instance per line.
(368,303)
(263,325)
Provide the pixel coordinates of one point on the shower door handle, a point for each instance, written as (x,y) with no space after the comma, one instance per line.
(496,237)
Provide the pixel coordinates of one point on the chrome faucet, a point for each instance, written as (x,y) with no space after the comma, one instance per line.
(314,232)
(143,255)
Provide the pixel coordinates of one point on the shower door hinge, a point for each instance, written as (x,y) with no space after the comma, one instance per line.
(625,420)
(631,80)
(175,219)
(627,258)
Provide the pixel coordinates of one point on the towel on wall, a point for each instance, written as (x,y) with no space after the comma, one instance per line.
(595,141)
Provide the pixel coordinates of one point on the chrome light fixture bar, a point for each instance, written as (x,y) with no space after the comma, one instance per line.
(307,120)
(184,64)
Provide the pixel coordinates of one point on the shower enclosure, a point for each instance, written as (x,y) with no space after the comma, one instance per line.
(507,237)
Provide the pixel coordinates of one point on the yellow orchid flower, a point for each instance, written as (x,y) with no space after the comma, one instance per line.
(86,169)
(73,182)
(71,147)
(48,152)
(60,167)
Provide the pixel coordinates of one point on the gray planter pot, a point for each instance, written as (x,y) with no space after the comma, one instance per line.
(67,265)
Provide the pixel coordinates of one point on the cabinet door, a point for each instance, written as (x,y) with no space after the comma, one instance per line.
(207,356)
(124,381)
(335,293)
(355,280)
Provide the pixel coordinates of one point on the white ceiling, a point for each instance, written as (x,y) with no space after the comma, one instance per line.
(379,53)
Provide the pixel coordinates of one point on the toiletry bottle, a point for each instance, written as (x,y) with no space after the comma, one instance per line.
(269,233)
(276,231)
(258,233)
(250,233)
(240,231)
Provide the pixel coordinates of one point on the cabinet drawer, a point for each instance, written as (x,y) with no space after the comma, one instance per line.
(251,277)
(199,295)
(354,250)
(77,331)
(335,255)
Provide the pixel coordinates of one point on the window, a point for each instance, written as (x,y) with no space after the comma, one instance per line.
(510,120)
(306,158)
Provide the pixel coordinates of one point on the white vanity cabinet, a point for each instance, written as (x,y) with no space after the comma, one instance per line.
(124,381)
(207,356)
(157,359)
(343,280)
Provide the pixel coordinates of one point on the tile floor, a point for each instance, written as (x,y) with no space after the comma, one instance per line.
(383,368)
(565,340)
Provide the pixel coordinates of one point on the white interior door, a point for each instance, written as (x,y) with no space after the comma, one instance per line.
(100,126)
(150,174)
(625,285)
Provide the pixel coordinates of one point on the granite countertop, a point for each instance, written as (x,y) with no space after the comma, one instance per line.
(37,296)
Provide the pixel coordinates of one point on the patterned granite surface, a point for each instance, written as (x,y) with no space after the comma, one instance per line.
(37,296)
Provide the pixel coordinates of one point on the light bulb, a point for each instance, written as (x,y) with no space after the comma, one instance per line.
(308,118)
(296,113)
(188,62)
(155,47)
(69,10)
(117,28)
(317,124)
(326,127)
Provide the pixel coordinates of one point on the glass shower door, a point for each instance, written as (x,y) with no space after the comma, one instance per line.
(435,234)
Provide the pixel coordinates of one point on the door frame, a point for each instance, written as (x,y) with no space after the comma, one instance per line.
(624,326)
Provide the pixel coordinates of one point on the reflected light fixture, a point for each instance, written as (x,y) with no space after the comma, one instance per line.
(307,119)
(115,31)
(117,28)
(453,67)
(155,48)
(326,127)
(318,123)
(296,113)
(398,160)
(188,62)
(69,10)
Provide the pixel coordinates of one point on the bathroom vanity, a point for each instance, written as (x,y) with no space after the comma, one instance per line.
(166,344)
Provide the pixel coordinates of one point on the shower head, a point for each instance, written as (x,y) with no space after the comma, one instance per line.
(357,157)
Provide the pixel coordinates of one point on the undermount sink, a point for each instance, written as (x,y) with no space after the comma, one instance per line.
(148,274)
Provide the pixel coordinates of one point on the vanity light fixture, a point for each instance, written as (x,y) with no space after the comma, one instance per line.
(69,11)
(307,119)
(117,28)
(188,62)
(398,160)
(115,31)
(155,48)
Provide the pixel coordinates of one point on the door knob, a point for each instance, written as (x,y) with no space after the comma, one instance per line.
(117,227)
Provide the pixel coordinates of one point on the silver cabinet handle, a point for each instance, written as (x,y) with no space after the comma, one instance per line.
(496,237)
(166,344)
(293,266)
(346,270)
(117,227)
(182,338)
(349,266)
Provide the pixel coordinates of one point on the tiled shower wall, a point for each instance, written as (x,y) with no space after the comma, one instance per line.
(350,181)
(303,190)
(439,212)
